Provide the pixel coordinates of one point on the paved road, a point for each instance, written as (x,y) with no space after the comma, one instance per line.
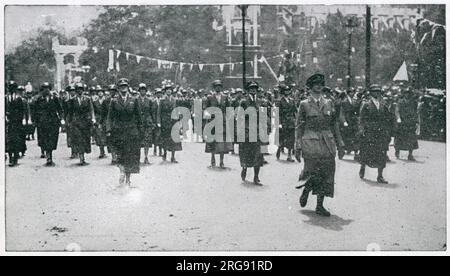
(188,206)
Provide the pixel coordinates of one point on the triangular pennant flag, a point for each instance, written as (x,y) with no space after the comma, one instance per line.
(232,67)
(221,66)
(402,73)
(117,66)
(200,66)
(159,63)
(170,64)
(118,53)
(192,66)
(138,59)
(127,55)
(181,66)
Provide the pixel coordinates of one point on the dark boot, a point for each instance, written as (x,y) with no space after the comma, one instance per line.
(304,197)
(362,171)
(11,159)
(222,165)
(244,174)
(172,159)
(256,180)
(213,161)
(397,154)
(102,153)
(380,178)
(278,153)
(49,156)
(320,210)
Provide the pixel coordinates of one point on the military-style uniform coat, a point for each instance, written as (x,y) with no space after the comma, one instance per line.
(100,128)
(375,125)
(406,110)
(156,117)
(147,121)
(317,135)
(220,101)
(350,110)
(250,151)
(48,114)
(124,123)
(167,105)
(80,115)
(287,111)
(15,114)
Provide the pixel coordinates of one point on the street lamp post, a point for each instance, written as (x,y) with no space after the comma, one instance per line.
(244,69)
(351,23)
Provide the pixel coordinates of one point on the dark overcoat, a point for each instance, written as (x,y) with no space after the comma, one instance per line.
(48,115)
(221,102)
(80,115)
(375,126)
(124,123)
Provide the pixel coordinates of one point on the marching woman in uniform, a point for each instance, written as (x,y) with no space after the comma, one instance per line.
(156,115)
(168,104)
(250,155)
(147,119)
(221,101)
(99,129)
(287,109)
(112,93)
(407,121)
(81,116)
(124,126)
(48,117)
(15,113)
(316,136)
(375,123)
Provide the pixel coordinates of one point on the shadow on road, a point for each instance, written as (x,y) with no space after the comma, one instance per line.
(376,184)
(219,169)
(409,161)
(333,223)
(250,184)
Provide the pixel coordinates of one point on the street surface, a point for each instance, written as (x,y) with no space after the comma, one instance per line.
(188,206)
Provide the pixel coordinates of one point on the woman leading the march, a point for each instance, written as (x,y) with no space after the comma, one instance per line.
(124,126)
(317,132)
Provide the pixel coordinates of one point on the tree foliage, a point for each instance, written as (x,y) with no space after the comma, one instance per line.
(164,32)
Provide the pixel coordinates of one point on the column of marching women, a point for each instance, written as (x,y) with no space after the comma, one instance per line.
(316,124)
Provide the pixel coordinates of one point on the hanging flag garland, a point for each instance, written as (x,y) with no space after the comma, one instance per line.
(166,64)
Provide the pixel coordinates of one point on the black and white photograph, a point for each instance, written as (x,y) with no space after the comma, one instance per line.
(165,127)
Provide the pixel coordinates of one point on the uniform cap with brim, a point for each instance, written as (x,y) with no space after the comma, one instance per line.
(45,85)
(123,82)
(168,86)
(252,84)
(70,88)
(315,79)
(20,88)
(142,86)
(12,84)
(98,88)
(375,87)
(217,83)
(79,86)
(158,91)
